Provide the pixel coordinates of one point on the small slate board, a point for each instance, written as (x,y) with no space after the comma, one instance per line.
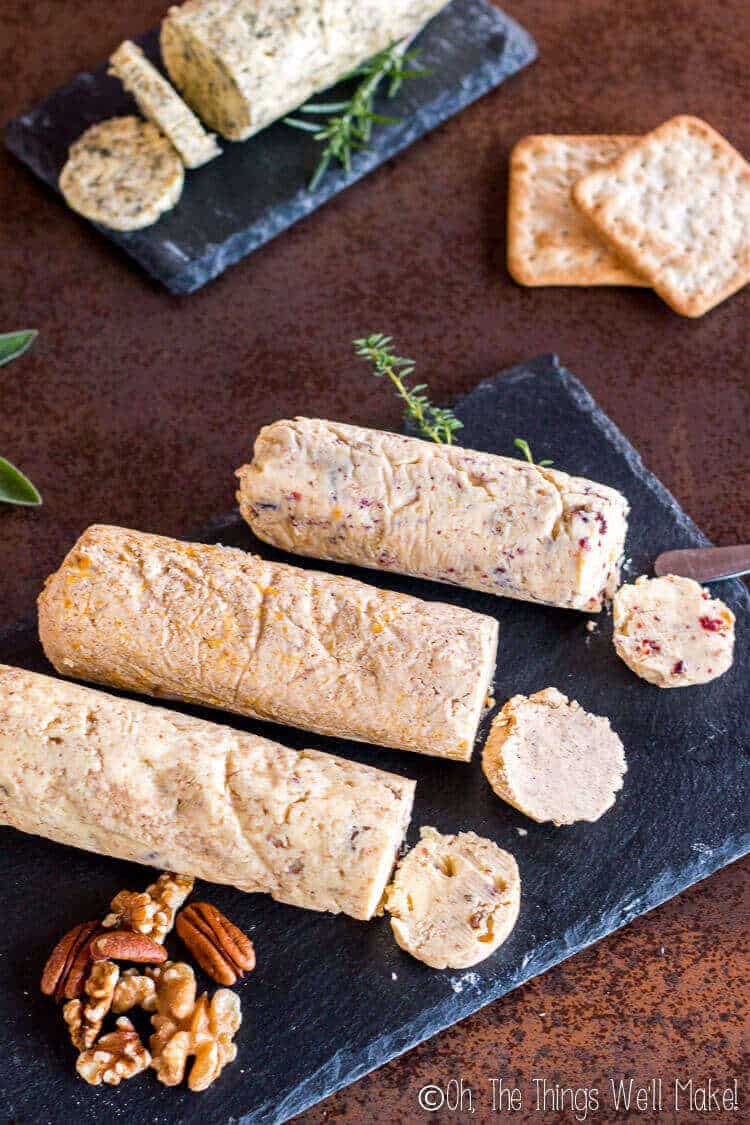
(258,188)
(322,1007)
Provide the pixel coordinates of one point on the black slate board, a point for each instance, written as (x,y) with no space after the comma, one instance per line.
(324,1006)
(258,188)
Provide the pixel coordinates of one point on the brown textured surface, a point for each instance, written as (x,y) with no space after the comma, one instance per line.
(135,406)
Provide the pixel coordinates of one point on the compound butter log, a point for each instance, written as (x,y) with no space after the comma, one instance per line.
(439,512)
(242,64)
(222,628)
(142,783)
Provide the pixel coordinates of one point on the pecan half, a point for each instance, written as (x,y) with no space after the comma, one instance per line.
(60,960)
(219,947)
(80,967)
(124,945)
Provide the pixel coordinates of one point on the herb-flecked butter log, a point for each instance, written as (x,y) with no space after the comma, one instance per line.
(219,627)
(141,783)
(434,511)
(241,64)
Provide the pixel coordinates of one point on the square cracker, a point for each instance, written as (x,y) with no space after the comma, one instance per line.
(549,240)
(677,208)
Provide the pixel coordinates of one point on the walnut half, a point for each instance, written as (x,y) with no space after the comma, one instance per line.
(116,1056)
(152,912)
(134,990)
(85,1017)
(185,1026)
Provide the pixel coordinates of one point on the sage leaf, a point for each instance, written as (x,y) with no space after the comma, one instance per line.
(15,488)
(13,344)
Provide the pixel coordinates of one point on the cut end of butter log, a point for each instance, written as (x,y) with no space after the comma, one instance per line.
(671,632)
(454,899)
(552,760)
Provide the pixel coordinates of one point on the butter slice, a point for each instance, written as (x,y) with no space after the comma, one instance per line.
(122,173)
(671,632)
(552,760)
(162,105)
(453,899)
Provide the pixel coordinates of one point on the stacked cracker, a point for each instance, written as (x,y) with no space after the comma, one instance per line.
(670,210)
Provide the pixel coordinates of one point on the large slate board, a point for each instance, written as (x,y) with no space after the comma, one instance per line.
(323,1006)
(258,188)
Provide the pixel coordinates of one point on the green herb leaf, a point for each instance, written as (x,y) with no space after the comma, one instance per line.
(323,107)
(349,128)
(15,488)
(526,450)
(306,126)
(13,344)
(433,422)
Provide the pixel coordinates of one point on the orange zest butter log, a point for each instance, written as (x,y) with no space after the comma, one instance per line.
(142,783)
(440,512)
(223,628)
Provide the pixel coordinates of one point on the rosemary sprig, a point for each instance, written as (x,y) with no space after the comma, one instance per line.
(348,125)
(433,422)
(526,450)
(15,487)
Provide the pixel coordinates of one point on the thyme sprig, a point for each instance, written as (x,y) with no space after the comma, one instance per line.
(348,124)
(526,450)
(15,487)
(434,422)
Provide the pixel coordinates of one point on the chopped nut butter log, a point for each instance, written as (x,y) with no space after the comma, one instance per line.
(219,627)
(157,787)
(434,511)
(242,64)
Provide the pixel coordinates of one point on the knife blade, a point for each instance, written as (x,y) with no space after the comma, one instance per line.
(706,564)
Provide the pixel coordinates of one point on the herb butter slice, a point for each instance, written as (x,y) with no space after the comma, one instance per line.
(162,105)
(122,173)
(242,65)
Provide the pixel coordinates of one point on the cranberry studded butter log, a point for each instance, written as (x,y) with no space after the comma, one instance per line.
(241,64)
(145,784)
(222,628)
(440,512)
